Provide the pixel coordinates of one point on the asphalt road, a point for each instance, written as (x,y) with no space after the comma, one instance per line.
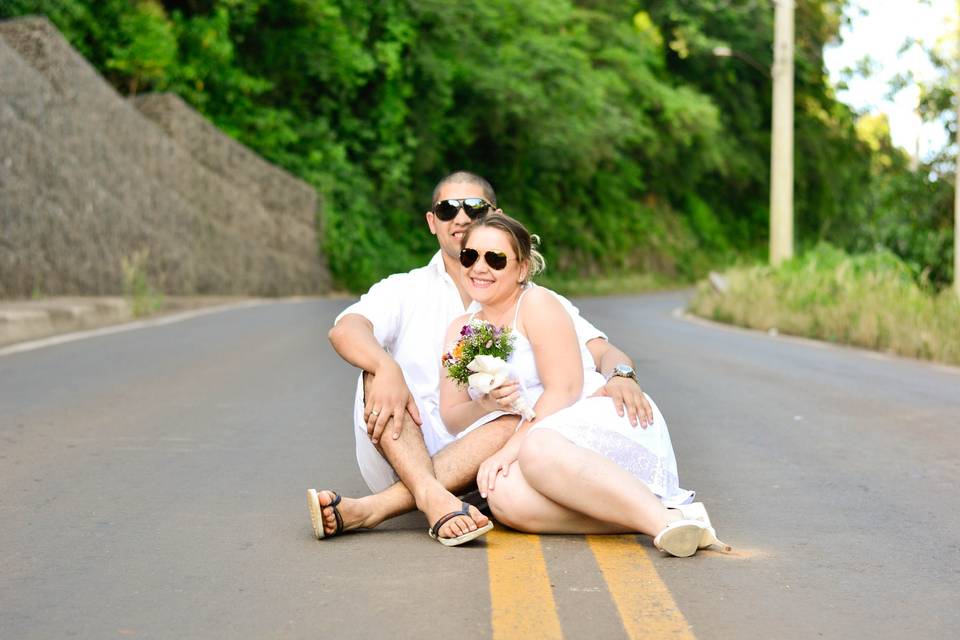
(153,487)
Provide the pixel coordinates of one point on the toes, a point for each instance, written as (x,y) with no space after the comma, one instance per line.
(464,524)
(478,518)
(325,494)
(452,529)
(458,527)
(326,511)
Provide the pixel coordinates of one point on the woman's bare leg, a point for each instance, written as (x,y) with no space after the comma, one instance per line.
(518,505)
(583,482)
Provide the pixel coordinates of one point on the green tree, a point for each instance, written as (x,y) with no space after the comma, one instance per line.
(831,163)
(146,50)
(607,126)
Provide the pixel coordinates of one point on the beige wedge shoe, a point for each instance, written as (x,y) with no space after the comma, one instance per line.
(680,538)
(696,511)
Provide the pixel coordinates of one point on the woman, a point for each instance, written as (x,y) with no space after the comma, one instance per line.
(577,467)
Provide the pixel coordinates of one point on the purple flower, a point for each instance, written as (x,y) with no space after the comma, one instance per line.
(466,331)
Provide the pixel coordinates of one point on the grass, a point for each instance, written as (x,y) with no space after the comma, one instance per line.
(144,299)
(869,300)
(609,285)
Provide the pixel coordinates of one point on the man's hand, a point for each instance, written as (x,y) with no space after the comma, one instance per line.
(388,397)
(627,394)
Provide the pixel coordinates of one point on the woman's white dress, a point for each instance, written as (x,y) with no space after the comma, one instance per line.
(593,423)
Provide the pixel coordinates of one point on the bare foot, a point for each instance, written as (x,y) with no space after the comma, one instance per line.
(353,511)
(438,502)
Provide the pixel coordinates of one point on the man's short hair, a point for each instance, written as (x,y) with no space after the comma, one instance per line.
(465,177)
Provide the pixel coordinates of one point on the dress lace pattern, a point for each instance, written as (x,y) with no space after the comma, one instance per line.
(646,454)
(593,423)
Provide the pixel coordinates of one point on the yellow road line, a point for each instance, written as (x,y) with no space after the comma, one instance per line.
(646,607)
(522,604)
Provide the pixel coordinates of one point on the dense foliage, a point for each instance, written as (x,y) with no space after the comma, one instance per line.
(608,126)
(908,211)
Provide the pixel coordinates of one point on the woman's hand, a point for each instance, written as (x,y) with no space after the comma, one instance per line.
(496,465)
(502,398)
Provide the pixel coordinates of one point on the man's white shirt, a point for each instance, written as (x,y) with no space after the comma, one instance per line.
(410,313)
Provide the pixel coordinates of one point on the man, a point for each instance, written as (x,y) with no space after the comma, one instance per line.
(394,334)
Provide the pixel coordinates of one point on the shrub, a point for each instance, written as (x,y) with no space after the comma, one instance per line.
(873,300)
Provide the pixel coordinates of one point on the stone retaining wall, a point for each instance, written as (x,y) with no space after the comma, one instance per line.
(87,180)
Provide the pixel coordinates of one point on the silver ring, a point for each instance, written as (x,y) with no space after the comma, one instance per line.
(374,413)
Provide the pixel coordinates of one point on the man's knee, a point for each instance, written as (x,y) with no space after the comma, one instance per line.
(410,431)
(502,428)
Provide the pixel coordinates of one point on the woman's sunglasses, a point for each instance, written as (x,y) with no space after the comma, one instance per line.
(447,210)
(494,259)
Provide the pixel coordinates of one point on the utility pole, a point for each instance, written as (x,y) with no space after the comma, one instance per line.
(781,151)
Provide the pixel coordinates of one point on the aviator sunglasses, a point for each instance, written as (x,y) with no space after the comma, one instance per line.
(447,210)
(494,259)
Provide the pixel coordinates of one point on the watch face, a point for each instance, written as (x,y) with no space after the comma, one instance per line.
(623,370)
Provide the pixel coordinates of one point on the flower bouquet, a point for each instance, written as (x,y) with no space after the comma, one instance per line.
(479,360)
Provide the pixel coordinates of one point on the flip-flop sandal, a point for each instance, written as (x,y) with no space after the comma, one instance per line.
(474,498)
(467,537)
(316,514)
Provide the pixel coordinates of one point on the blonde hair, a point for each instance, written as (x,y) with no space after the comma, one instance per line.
(523,242)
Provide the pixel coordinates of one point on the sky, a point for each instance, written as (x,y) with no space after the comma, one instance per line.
(880,33)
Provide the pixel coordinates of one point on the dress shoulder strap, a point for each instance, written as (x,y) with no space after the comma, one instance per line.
(516,314)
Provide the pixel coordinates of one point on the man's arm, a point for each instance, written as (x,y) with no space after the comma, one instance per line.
(626,392)
(388,395)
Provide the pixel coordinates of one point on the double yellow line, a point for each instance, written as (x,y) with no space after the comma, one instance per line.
(522,600)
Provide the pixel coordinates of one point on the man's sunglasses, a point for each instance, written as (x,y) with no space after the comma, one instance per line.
(494,259)
(447,210)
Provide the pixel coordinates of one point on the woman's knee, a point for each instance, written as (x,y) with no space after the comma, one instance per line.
(538,451)
(504,505)
(510,500)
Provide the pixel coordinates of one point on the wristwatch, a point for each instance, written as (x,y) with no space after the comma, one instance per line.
(624,371)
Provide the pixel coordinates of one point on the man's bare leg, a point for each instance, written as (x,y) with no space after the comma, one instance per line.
(409,458)
(455,467)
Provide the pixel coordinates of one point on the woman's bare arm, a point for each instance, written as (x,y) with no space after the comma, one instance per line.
(556,351)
